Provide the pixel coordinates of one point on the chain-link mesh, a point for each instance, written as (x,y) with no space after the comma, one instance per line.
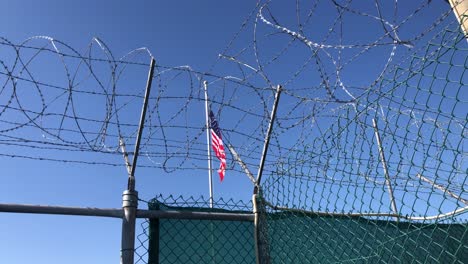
(421,115)
(196,241)
(294,236)
(385,183)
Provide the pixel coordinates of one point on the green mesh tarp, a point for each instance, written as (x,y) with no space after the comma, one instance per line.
(304,238)
(300,238)
(199,241)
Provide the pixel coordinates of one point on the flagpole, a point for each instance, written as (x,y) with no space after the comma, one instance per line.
(208,141)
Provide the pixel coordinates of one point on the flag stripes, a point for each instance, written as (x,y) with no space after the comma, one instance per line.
(217,145)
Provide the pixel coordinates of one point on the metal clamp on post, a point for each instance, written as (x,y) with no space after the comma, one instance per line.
(129,199)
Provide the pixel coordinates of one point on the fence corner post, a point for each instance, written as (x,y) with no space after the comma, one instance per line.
(129,205)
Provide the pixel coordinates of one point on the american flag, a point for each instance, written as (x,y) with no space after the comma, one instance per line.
(217,145)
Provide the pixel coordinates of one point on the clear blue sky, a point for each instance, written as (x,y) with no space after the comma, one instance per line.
(177,33)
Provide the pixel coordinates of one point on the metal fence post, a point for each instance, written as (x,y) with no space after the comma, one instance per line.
(262,254)
(256,229)
(130,196)
(130,204)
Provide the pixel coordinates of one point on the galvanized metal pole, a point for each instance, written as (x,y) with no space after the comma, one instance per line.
(267,137)
(130,196)
(208,143)
(131,180)
(130,204)
(193,215)
(174,214)
(118,213)
(262,252)
(61,210)
(385,168)
(256,230)
(261,241)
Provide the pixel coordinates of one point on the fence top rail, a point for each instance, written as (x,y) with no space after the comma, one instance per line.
(118,213)
(61,210)
(176,214)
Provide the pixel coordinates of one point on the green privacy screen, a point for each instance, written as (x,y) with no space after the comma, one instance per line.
(294,237)
(302,238)
(199,241)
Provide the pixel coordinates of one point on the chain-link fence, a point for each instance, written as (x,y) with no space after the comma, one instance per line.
(367,160)
(294,236)
(385,183)
(196,241)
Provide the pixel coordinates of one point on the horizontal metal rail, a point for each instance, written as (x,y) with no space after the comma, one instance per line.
(60,210)
(195,215)
(190,215)
(118,213)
